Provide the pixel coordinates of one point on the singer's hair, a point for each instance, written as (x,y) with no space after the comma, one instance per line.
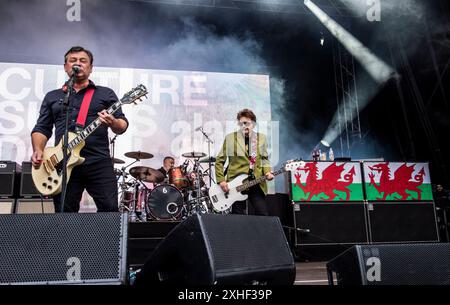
(77,49)
(246,113)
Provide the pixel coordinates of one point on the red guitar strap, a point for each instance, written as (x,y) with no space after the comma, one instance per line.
(82,115)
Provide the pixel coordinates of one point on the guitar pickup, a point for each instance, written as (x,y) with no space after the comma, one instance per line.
(54,160)
(214,198)
(46,167)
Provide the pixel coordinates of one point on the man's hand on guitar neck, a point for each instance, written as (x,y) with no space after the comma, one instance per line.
(118,126)
(224,186)
(269,176)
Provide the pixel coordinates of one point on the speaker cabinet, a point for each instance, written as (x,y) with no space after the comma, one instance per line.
(35,206)
(221,249)
(9,179)
(64,248)
(402,222)
(7,206)
(330,223)
(400,264)
(27,188)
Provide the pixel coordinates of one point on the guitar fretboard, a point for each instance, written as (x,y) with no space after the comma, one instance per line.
(92,127)
(259,180)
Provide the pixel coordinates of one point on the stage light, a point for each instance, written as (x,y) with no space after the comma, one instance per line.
(377,68)
(325,143)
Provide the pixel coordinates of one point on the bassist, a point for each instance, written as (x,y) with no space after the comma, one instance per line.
(246,152)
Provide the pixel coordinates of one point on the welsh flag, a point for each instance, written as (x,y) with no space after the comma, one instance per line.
(397,181)
(327,181)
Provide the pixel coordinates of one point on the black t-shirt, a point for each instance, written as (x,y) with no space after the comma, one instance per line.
(51,114)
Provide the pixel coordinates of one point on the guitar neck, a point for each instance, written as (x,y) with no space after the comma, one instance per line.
(259,180)
(92,127)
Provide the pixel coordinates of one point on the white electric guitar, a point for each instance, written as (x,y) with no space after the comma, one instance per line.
(48,177)
(223,201)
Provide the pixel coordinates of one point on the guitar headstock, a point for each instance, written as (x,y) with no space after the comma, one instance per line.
(134,94)
(293,164)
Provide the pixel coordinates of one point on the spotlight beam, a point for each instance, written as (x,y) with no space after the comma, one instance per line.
(377,68)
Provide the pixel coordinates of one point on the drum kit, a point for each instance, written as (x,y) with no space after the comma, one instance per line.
(147,194)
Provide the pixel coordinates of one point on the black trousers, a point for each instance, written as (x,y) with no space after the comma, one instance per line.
(257,204)
(99,181)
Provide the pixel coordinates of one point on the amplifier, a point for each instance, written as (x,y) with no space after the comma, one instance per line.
(7,206)
(9,178)
(34,206)
(27,188)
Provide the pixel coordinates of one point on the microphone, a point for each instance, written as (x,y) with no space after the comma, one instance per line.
(198,128)
(76,69)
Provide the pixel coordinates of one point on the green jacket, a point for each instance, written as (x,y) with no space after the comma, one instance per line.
(233,150)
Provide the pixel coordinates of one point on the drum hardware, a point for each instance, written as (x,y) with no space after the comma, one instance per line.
(207,160)
(210,159)
(147,174)
(178,178)
(186,195)
(199,204)
(117,161)
(194,155)
(165,202)
(138,155)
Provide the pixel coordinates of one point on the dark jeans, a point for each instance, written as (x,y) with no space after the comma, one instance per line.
(99,181)
(257,204)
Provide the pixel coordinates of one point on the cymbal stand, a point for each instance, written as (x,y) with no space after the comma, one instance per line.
(209,141)
(141,202)
(200,206)
(113,144)
(123,174)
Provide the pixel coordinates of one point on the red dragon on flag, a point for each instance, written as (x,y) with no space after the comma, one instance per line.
(329,183)
(400,183)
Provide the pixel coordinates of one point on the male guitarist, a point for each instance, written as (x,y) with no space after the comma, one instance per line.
(246,152)
(96,174)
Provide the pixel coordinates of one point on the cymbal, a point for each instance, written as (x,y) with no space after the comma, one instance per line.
(207,160)
(138,155)
(117,161)
(147,174)
(194,154)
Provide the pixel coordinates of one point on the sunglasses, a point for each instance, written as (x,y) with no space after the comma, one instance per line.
(246,123)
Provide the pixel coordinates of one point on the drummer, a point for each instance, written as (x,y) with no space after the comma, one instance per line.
(168,163)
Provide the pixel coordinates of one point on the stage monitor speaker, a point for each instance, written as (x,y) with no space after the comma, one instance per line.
(64,248)
(334,223)
(9,178)
(34,206)
(392,264)
(7,206)
(214,249)
(402,222)
(27,188)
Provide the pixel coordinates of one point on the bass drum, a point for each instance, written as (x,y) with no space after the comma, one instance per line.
(164,202)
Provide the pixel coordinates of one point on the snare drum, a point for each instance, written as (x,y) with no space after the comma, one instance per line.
(164,202)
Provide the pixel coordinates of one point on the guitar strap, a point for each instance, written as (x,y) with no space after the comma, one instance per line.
(252,153)
(82,115)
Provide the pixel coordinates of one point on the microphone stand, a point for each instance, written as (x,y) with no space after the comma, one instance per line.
(209,154)
(113,144)
(65,106)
